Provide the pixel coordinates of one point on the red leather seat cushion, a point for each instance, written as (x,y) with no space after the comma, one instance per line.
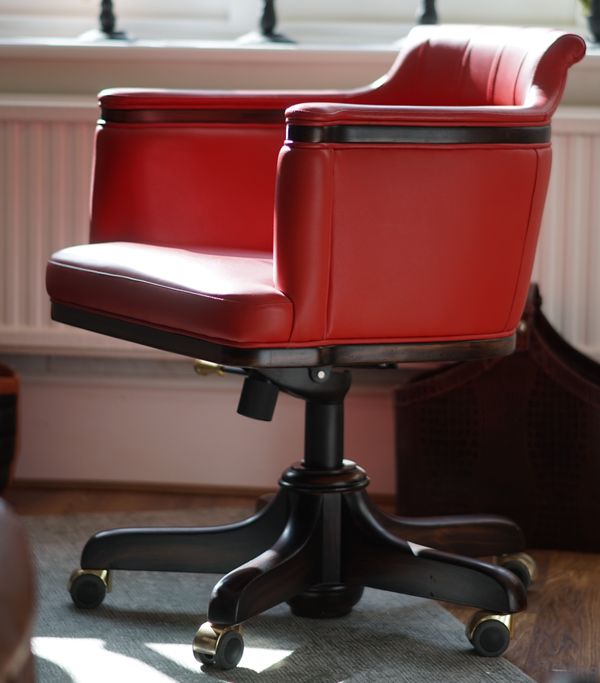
(225,296)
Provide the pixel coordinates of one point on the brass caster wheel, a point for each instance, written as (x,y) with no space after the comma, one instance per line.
(88,587)
(219,647)
(521,565)
(489,634)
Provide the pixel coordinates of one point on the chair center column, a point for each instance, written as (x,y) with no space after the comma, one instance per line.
(324,435)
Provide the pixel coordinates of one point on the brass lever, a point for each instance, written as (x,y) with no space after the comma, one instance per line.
(205,368)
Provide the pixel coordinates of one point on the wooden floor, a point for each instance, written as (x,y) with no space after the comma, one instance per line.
(560,631)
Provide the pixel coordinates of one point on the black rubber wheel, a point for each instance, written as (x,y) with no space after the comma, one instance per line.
(230,649)
(205,659)
(520,570)
(87,591)
(490,638)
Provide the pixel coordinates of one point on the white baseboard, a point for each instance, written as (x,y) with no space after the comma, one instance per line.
(156,422)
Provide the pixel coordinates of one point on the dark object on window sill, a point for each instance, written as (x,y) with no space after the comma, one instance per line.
(107,28)
(518,436)
(427,13)
(268,22)
(108,20)
(9,389)
(593,21)
(267,32)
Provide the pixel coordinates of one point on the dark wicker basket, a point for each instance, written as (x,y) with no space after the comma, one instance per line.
(9,391)
(519,436)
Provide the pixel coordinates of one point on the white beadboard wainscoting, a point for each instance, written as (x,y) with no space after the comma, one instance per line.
(111,412)
(568,258)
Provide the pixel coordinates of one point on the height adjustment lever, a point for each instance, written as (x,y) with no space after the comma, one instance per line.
(206,367)
(258,398)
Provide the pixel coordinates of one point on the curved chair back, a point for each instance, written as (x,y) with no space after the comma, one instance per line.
(420,220)
(455,65)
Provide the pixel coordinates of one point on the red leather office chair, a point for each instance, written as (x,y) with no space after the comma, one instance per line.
(405,222)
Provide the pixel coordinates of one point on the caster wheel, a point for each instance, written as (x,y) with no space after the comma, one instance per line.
(489,634)
(88,587)
(521,565)
(221,648)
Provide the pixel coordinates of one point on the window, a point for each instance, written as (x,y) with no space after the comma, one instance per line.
(307,20)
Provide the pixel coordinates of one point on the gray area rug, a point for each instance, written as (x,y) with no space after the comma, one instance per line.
(143,630)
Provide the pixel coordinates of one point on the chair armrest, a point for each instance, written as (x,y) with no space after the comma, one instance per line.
(341,114)
(135,104)
(366,228)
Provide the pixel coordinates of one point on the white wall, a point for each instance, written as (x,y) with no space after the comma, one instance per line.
(156,422)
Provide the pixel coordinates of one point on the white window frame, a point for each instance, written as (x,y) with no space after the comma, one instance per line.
(306,20)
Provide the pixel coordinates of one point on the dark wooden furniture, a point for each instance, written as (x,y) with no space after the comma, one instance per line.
(9,391)
(16,600)
(518,436)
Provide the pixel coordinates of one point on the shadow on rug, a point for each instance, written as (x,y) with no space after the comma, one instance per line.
(144,629)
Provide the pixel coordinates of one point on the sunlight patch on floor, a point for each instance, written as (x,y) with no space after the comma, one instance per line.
(255,658)
(86,660)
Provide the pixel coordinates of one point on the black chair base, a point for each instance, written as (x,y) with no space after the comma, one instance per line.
(319,541)
(317,544)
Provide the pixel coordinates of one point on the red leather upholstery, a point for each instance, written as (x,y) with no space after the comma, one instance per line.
(482,66)
(220,295)
(187,186)
(374,242)
(451,218)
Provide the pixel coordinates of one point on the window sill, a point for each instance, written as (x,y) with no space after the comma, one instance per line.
(72,67)
(180,48)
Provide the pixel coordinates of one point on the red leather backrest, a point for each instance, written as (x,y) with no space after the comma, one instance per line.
(480,65)
(185,185)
